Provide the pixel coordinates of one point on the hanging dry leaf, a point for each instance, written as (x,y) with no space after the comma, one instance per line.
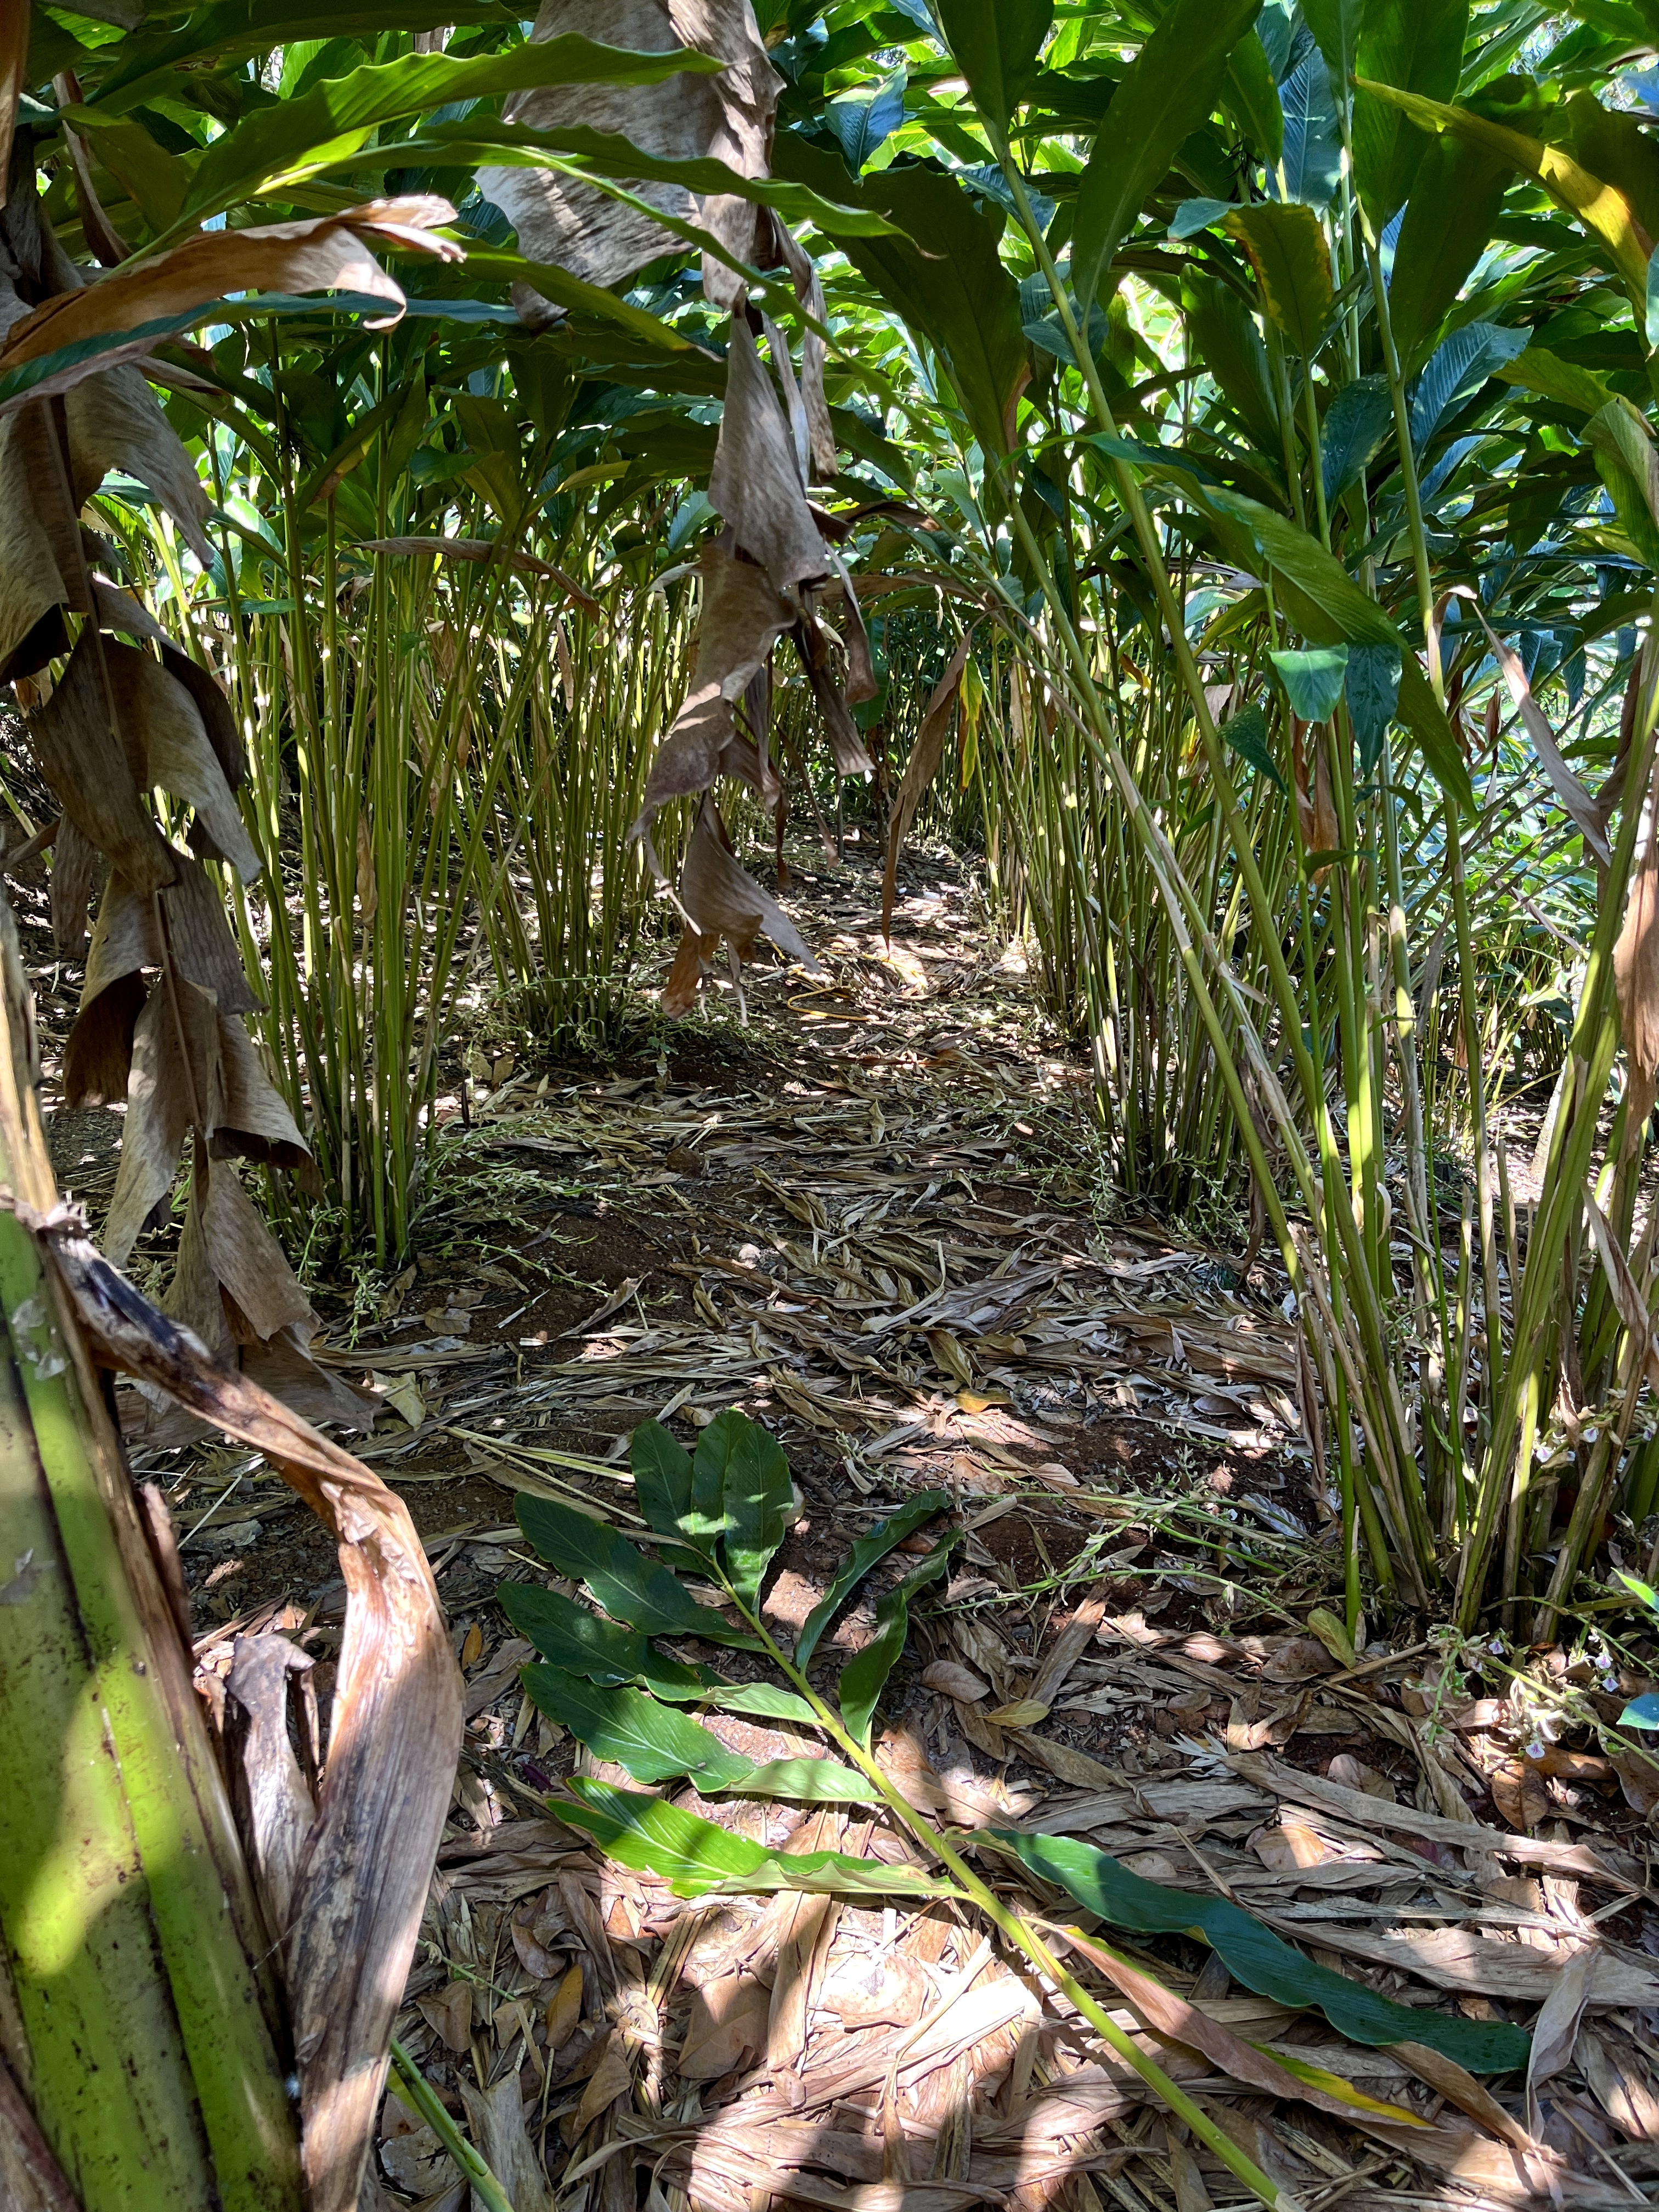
(722,901)
(926,751)
(94,775)
(754,482)
(174,1070)
(688,116)
(158,714)
(275,1809)
(320,254)
(394,1743)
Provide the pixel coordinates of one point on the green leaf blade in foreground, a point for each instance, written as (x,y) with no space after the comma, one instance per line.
(662,1477)
(1322,601)
(868,1551)
(275,143)
(694,1855)
(631,1588)
(1262,1961)
(996,44)
(1246,733)
(653,1742)
(1418,48)
(1292,265)
(567,1635)
(1313,679)
(1166,94)
(864,1677)
(759,1498)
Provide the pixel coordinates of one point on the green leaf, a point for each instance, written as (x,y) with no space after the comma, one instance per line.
(864,1555)
(865,1676)
(1166,94)
(1418,49)
(864,123)
(1335,27)
(662,1478)
(1195,215)
(1625,459)
(1287,251)
(996,44)
(288,140)
(1643,1593)
(655,1743)
(1357,421)
(759,1699)
(571,1637)
(1454,201)
(706,1522)
(1253,98)
(809,1781)
(630,1586)
(758,1499)
(1257,1957)
(1325,603)
(1227,339)
(1373,697)
(1246,732)
(943,273)
(1642,1712)
(1540,370)
(1313,679)
(694,1856)
(1600,204)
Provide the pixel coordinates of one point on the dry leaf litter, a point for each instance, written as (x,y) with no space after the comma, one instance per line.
(872,1221)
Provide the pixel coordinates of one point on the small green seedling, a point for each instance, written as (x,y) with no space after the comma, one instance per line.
(721,1514)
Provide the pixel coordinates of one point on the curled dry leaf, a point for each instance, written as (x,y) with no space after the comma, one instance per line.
(395,1737)
(754,482)
(448,2014)
(729,115)
(722,901)
(926,751)
(322,253)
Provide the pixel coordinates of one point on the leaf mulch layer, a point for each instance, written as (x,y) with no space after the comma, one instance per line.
(871,1217)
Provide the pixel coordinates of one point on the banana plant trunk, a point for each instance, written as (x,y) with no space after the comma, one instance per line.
(141,2027)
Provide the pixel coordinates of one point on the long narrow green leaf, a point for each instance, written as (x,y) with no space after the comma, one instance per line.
(996,44)
(759,1498)
(1166,92)
(571,1637)
(694,1856)
(288,141)
(1258,1958)
(864,1555)
(630,1586)
(864,1677)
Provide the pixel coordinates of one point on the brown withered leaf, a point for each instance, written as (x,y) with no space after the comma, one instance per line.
(742,618)
(1518,1792)
(926,751)
(160,715)
(564,2008)
(320,254)
(496,2121)
(253,1122)
(727,2025)
(1619,2082)
(171,1085)
(693,957)
(75,861)
(877,1992)
(723,900)
(94,775)
(755,484)
(40,566)
(448,2014)
(394,1743)
(955,1682)
(249,1261)
(275,1809)
(576,225)
(812,643)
